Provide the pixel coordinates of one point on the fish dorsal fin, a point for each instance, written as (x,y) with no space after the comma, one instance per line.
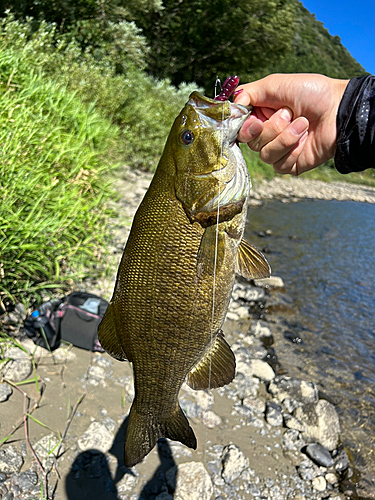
(220,361)
(209,254)
(250,263)
(108,337)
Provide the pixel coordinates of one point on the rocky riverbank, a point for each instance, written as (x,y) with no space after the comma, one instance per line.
(265,435)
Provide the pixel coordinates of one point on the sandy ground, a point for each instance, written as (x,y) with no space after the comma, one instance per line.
(70,377)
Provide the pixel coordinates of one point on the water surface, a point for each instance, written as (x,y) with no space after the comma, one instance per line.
(325,253)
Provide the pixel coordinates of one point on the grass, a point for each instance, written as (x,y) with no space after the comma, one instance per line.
(52,177)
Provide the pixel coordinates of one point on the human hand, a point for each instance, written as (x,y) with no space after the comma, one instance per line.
(293,123)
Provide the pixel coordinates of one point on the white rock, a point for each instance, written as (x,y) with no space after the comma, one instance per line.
(234,463)
(210,419)
(47,449)
(243,312)
(319,483)
(262,370)
(19,367)
(271,282)
(5,392)
(190,481)
(232,316)
(321,423)
(97,437)
(260,329)
(63,354)
(244,368)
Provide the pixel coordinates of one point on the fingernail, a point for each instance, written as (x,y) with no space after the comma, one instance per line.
(286,115)
(299,126)
(255,129)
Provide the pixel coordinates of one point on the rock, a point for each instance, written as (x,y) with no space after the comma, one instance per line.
(10,460)
(190,481)
(96,372)
(234,463)
(19,367)
(63,354)
(192,410)
(273,414)
(244,369)
(247,294)
(284,387)
(27,480)
(262,370)
(97,438)
(260,329)
(292,440)
(321,423)
(255,404)
(271,282)
(341,461)
(307,470)
(245,386)
(46,449)
(319,455)
(332,478)
(210,419)
(242,312)
(5,392)
(319,483)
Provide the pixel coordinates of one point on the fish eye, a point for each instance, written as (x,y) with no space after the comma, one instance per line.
(187,137)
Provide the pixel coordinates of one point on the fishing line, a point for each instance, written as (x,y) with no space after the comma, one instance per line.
(216,253)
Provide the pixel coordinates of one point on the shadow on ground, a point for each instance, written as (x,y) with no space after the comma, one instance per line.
(90,479)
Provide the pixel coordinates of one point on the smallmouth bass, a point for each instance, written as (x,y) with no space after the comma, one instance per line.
(177,272)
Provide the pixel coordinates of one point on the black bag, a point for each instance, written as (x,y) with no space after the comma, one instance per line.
(74,319)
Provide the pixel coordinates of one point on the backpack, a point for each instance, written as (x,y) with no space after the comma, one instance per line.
(73,319)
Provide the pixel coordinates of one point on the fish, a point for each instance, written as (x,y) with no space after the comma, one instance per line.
(177,271)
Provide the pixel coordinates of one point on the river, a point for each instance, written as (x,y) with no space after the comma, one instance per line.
(324,251)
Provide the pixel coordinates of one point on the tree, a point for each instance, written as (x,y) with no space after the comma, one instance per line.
(194,40)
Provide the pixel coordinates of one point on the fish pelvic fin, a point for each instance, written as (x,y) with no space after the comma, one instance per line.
(108,337)
(144,430)
(216,368)
(250,263)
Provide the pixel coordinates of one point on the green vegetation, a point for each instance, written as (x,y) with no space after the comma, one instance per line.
(52,163)
(88,85)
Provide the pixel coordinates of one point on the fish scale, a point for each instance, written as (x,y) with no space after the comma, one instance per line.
(164,316)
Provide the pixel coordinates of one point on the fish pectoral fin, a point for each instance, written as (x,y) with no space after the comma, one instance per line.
(211,251)
(250,263)
(215,369)
(143,431)
(108,337)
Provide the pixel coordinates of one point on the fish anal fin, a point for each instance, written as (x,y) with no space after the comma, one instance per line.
(144,429)
(250,263)
(215,369)
(211,251)
(108,337)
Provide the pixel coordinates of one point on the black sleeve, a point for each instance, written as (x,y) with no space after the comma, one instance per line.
(355,143)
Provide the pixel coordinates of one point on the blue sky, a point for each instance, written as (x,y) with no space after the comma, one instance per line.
(353,21)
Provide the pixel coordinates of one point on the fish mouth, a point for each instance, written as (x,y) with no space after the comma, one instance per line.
(226,119)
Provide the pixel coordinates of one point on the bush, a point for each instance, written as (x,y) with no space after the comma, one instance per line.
(52,150)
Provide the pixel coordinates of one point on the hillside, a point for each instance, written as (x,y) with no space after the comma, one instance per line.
(314,50)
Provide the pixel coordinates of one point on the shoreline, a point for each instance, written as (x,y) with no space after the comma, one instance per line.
(297,188)
(253,434)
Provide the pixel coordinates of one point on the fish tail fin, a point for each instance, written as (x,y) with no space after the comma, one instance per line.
(177,428)
(143,431)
